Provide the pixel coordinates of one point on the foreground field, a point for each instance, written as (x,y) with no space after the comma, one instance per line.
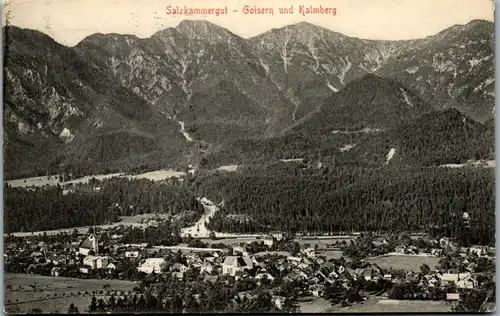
(375,305)
(407,263)
(313,304)
(24,292)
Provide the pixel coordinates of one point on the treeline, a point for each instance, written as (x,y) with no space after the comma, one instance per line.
(45,208)
(357,199)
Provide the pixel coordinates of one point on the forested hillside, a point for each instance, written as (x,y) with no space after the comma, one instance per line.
(355,199)
(435,138)
(46,208)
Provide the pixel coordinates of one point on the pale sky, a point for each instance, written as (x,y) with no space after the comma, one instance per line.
(69,21)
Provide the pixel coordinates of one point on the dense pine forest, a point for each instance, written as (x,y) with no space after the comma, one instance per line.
(412,199)
(46,208)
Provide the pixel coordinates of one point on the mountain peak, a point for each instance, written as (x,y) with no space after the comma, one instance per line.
(203,30)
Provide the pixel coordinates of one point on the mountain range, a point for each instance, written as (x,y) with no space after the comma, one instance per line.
(119,102)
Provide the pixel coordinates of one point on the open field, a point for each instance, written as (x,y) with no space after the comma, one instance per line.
(157,175)
(405,262)
(134,221)
(324,241)
(375,305)
(332,254)
(53,294)
(313,304)
(229,168)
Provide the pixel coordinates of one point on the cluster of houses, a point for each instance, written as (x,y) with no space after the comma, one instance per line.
(308,266)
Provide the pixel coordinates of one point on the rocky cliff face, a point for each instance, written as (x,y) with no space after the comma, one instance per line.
(453,69)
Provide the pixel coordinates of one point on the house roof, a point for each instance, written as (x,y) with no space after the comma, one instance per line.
(154,262)
(178,266)
(210,278)
(236,261)
(454,277)
(89,242)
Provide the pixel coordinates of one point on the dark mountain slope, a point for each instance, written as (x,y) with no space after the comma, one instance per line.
(437,138)
(53,95)
(370,102)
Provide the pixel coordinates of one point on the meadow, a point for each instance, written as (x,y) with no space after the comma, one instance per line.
(24,292)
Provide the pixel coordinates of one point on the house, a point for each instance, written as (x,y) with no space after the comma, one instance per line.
(233,264)
(84,270)
(206,267)
(115,236)
(294,260)
(471,267)
(341,269)
(452,296)
(151,265)
(153,223)
(279,301)
(56,271)
(278,235)
(317,290)
(368,274)
(321,276)
(268,241)
(478,251)
(178,267)
(210,278)
(36,254)
(102,262)
(90,261)
(91,243)
(112,266)
(239,250)
(446,242)
(401,249)
(178,275)
(437,252)
(432,280)
(55,259)
(263,274)
(467,282)
(132,254)
(412,277)
(453,278)
(309,252)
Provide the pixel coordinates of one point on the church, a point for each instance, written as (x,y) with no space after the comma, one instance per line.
(91,243)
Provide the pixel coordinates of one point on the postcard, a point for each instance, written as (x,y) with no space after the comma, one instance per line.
(248,156)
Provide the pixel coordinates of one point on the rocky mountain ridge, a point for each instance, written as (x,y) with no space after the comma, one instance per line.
(215,85)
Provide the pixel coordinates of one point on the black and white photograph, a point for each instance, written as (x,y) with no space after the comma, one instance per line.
(248,156)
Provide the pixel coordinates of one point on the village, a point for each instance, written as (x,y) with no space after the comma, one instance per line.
(293,269)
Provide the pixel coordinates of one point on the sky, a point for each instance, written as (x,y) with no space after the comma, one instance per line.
(69,21)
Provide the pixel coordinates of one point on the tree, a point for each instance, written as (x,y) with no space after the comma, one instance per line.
(73,309)
(212,236)
(471,302)
(425,269)
(93,305)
